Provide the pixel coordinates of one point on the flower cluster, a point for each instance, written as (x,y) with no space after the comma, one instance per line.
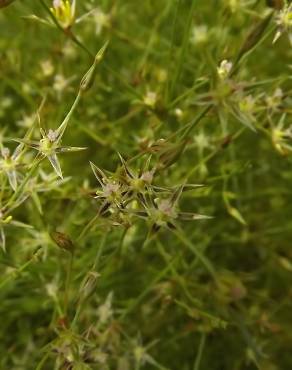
(126,193)
(284,22)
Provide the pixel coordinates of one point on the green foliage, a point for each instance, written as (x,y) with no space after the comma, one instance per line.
(162,239)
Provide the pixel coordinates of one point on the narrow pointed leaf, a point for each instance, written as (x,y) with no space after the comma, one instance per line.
(2,239)
(197,216)
(21,224)
(37,202)
(98,173)
(12,179)
(193,216)
(254,37)
(176,195)
(55,163)
(234,212)
(126,168)
(31,143)
(67,149)
(35,18)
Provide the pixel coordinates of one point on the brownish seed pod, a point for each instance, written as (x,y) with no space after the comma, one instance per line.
(276,4)
(4,3)
(63,241)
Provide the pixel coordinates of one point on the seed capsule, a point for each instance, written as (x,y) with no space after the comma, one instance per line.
(4,3)
(63,241)
(277,4)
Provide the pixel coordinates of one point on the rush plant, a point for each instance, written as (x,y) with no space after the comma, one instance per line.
(162,240)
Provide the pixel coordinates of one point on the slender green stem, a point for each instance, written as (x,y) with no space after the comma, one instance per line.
(183,49)
(138,299)
(212,154)
(20,269)
(209,267)
(200,352)
(186,129)
(99,252)
(67,32)
(195,122)
(68,282)
(64,124)
(88,226)
(171,50)
(94,268)
(43,361)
